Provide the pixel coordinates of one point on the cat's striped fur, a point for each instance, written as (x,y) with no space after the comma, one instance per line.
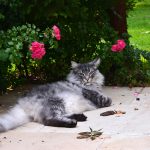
(61,103)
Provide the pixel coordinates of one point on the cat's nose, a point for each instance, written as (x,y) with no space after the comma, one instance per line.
(86,79)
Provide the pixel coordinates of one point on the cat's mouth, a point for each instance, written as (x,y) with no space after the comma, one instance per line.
(87,84)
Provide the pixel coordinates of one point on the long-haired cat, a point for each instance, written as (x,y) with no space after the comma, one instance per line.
(62,103)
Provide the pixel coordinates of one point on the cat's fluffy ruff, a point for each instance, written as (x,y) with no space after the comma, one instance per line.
(61,103)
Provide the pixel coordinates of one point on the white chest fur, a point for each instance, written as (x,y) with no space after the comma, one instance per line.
(75,103)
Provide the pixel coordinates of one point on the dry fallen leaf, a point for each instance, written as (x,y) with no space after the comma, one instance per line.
(93,134)
(120,112)
(112,112)
(108,113)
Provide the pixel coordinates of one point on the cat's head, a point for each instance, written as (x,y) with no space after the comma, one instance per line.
(86,74)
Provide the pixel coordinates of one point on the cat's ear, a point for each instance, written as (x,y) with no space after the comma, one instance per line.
(74,64)
(96,62)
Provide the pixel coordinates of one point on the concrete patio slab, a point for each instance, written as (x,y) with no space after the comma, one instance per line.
(127,131)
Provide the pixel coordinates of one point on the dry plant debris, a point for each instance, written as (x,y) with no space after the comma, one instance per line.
(112,112)
(93,134)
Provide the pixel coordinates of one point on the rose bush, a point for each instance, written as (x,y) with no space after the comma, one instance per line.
(23,48)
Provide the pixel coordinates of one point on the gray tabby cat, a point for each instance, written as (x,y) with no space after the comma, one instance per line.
(60,104)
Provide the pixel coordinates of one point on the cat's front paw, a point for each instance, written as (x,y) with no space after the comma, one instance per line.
(108,102)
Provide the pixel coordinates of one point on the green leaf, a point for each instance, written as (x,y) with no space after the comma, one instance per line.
(41,35)
(19,46)
(1,16)
(3,56)
(11,58)
(8,50)
(10,43)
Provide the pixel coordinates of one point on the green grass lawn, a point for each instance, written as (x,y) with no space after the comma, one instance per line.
(139,25)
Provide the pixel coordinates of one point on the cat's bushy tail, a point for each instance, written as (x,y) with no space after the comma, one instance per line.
(13,118)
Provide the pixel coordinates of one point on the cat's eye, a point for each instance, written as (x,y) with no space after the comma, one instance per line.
(81,74)
(92,73)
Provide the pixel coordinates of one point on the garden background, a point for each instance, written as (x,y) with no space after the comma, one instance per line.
(88,30)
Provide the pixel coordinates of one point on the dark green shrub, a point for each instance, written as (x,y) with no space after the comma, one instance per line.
(3,76)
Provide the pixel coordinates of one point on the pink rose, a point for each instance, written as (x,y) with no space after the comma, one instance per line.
(37,49)
(119,46)
(58,37)
(114,48)
(56,32)
(121,43)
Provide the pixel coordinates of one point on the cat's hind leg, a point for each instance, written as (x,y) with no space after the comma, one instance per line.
(60,122)
(53,114)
